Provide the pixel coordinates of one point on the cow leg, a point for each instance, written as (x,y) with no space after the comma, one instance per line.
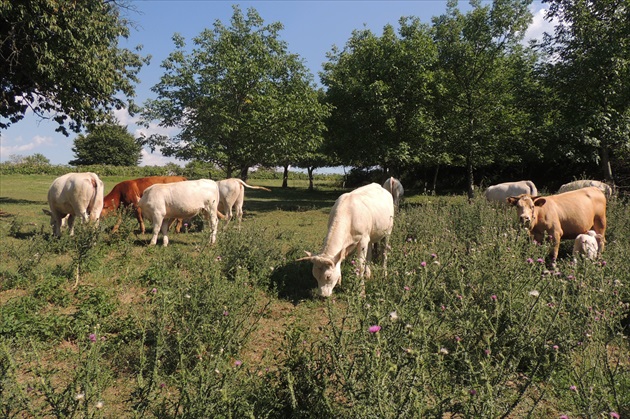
(71,219)
(599,225)
(364,253)
(157,225)
(239,207)
(213,220)
(164,227)
(556,236)
(140,219)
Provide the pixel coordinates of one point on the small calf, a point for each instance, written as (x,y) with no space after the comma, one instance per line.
(589,245)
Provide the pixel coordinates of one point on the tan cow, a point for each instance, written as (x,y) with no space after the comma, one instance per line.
(232,194)
(72,195)
(562,216)
(357,220)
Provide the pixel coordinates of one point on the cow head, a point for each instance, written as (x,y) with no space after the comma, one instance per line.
(108,206)
(326,270)
(526,207)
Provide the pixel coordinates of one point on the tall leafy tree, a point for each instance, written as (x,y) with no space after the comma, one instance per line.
(378,87)
(238,98)
(589,69)
(61,60)
(475,109)
(107,144)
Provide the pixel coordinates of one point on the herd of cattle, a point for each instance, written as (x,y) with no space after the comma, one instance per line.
(358,219)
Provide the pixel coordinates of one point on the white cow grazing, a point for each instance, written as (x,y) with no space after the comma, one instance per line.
(394,187)
(579,184)
(502,191)
(589,245)
(231,194)
(72,195)
(357,220)
(164,202)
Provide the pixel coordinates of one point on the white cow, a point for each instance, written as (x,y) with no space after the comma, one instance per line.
(231,194)
(164,202)
(72,195)
(502,191)
(357,220)
(394,187)
(588,244)
(579,184)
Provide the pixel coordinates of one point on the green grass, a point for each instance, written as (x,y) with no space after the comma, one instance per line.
(472,324)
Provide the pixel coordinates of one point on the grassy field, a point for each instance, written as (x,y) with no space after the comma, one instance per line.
(473,322)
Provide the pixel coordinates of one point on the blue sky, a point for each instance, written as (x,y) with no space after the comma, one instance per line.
(311,28)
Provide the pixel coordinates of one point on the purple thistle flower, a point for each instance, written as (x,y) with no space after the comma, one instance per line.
(423,264)
(564,417)
(225,312)
(92,337)
(540,260)
(573,388)
(614,415)
(406,288)
(237,363)
(473,392)
(374,329)
(433,255)
(154,290)
(530,260)
(493,297)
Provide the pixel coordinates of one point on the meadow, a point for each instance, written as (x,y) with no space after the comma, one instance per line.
(470,320)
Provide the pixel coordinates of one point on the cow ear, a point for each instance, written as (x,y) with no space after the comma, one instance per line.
(47,212)
(512,200)
(539,202)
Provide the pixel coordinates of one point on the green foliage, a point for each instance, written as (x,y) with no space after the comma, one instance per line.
(108,144)
(240,98)
(52,50)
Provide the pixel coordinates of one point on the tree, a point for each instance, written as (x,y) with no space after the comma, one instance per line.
(239,98)
(107,144)
(378,87)
(61,59)
(589,69)
(475,106)
(36,159)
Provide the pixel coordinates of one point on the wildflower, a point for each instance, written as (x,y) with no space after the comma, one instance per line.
(423,264)
(225,312)
(79,396)
(614,415)
(353,262)
(99,404)
(406,288)
(487,352)
(556,347)
(493,297)
(530,260)
(187,296)
(564,417)
(393,315)
(534,293)
(154,290)
(374,329)
(570,277)
(459,297)
(218,258)
(237,363)
(473,392)
(540,260)
(443,307)
(92,337)
(573,388)
(409,239)
(162,385)
(443,351)
(458,339)
(433,255)
(604,264)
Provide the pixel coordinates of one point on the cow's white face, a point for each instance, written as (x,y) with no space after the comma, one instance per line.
(327,276)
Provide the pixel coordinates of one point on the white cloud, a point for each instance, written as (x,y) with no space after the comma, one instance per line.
(19,147)
(157,159)
(539,25)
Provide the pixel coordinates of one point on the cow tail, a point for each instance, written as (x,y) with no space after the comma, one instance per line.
(96,205)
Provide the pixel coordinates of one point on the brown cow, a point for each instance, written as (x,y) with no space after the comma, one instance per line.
(562,216)
(129,192)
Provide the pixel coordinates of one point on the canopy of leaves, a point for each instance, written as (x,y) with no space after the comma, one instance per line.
(61,59)
(240,98)
(107,144)
(378,87)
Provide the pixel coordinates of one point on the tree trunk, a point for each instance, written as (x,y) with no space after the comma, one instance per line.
(228,171)
(244,172)
(606,168)
(285,177)
(435,178)
(471,178)
(310,170)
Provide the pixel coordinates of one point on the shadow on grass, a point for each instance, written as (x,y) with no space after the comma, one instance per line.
(5,200)
(289,199)
(294,281)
